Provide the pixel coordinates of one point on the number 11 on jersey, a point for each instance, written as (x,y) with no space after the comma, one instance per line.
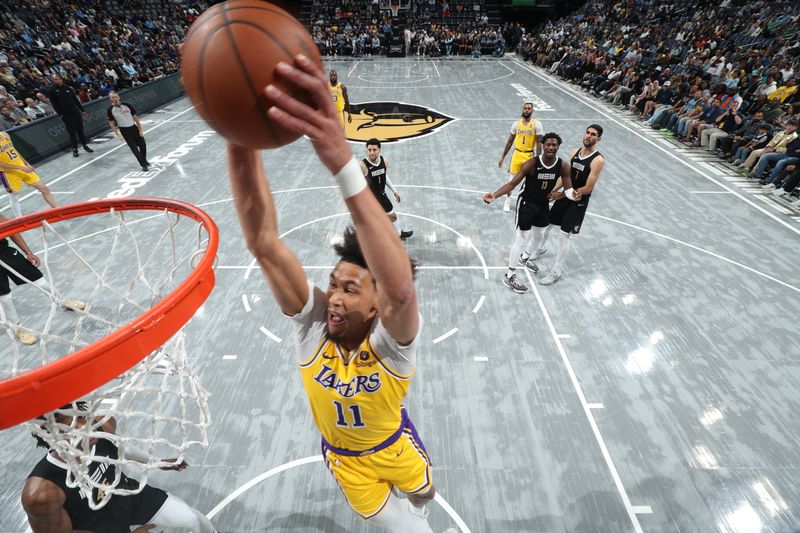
(341,420)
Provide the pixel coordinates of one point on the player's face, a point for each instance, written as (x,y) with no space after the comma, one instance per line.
(550,147)
(590,138)
(352,301)
(333,76)
(527,111)
(373,152)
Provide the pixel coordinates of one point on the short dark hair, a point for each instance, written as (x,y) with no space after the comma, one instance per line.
(552,135)
(791,122)
(597,127)
(349,251)
(374,142)
(79,405)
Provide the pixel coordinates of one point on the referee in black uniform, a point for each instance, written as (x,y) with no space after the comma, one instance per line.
(68,106)
(125,125)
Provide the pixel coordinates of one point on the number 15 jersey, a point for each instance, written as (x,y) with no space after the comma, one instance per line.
(355,397)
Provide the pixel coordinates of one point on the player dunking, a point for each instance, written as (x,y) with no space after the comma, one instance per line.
(52,506)
(586,164)
(356,342)
(526,136)
(542,174)
(339,97)
(14,171)
(21,268)
(375,168)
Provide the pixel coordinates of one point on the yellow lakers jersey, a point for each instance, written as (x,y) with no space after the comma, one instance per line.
(525,140)
(355,397)
(8,154)
(337,95)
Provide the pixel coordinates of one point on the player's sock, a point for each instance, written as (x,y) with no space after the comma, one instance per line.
(535,240)
(16,208)
(563,249)
(7,305)
(540,249)
(43,283)
(396,225)
(520,239)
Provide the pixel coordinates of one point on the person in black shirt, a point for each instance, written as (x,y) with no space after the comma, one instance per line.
(570,206)
(542,174)
(125,124)
(22,268)
(375,167)
(51,505)
(69,107)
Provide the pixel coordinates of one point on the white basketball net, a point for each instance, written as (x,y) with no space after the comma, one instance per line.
(120,272)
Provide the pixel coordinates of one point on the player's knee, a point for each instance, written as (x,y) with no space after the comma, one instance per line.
(393,216)
(421,499)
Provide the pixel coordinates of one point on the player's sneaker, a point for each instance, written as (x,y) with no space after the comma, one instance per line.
(514,285)
(778,192)
(507,205)
(550,278)
(404,234)
(73,305)
(527,263)
(538,253)
(25,337)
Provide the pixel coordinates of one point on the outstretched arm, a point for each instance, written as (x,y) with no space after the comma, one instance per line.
(385,254)
(256,209)
(511,185)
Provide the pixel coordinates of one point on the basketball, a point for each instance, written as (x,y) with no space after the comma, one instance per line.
(229,56)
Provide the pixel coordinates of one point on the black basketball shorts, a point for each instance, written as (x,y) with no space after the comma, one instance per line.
(386,204)
(568,214)
(15,260)
(531,214)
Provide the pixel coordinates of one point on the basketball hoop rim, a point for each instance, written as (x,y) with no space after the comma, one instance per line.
(54,384)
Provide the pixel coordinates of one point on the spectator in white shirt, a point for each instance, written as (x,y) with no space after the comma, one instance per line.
(33,110)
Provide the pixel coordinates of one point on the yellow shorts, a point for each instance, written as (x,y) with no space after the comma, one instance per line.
(517,160)
(367,481)
(12,180)
(342,117)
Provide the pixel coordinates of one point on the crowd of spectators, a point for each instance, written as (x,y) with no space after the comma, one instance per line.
(96,46)
(431,28)
(720,76)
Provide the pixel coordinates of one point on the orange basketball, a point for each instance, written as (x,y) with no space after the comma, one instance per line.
(227,59)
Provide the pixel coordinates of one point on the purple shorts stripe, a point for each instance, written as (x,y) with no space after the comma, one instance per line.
(410,429)
(5,183)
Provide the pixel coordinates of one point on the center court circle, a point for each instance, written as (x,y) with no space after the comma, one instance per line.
(316,459)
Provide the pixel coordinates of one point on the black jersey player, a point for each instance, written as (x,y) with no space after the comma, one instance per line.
(374,167)
(542,174)
(54,506)
(586,164)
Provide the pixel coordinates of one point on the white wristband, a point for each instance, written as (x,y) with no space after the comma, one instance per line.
(350,179)
(568,193)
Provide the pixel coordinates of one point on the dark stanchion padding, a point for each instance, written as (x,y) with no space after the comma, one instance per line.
(48,136)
